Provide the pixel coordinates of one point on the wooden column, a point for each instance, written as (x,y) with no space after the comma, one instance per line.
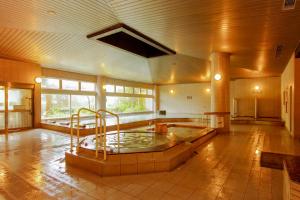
(220,96)
(101,96)
(6,109)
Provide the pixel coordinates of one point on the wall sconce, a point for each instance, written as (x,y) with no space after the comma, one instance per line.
(257,89)
(171,91)
(38,80)
(217,76)
(207,90)
(104,87)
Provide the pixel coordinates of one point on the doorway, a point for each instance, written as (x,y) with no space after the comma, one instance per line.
(291,108)
(16,107)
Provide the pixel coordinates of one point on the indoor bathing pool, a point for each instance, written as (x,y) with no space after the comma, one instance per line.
(145,139)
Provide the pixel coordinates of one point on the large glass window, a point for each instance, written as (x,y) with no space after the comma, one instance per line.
(82,101)
(55,106)
(110,88)
(87,86)
(119,89)
(70,85)
(129,90)
(50,83)
(137,90)
(129,104)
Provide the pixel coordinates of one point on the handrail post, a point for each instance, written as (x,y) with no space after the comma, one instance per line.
(118,132)
(96,134)
(104,139)
(71,148)
(78,130)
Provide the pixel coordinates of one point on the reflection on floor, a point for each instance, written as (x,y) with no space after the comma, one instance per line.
(227,167)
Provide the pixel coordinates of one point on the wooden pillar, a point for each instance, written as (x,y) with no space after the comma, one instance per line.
(6,109)
(101,96)
(220,86)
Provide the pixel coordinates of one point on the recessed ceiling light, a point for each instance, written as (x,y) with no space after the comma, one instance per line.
(51,12)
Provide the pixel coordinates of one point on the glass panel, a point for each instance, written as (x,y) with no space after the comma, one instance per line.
(82,101)
(129,90)
(55,106)
(109,88)
(143,91)
(129,104)
(137,90)
(150,92)
(2,108)
(119,89)
(50,83)
(19,107)
(88,86)
(70,85)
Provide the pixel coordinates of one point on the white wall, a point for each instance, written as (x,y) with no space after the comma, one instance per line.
(269,104)
(287,81)
(269,99)
(179,102)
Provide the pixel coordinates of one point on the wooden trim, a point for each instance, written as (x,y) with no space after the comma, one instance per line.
(216,113)
(74,92)
(114,94)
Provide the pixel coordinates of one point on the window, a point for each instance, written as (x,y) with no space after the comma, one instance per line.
(50,83)
(87,86)
(110,88)
(129,90)
(150,92)
(129,104)
(70,85)
(119,89)
(68,99)
(82,101)
(55,106)
(143,91)
(137,90)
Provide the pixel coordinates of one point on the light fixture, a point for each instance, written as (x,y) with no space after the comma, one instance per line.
(104,87)
(257,152)
(172,92)
(257,89)
(207,90)
(217,76)
(38,80)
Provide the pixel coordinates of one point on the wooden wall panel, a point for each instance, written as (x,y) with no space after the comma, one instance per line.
(25,73)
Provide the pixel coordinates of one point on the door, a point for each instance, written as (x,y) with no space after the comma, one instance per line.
(291,108)
(19,108)
(2,108)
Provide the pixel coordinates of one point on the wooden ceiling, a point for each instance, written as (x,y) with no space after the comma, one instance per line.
(53,33)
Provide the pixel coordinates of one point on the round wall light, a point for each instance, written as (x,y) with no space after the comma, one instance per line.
(172,92)
(207,90)
(38,80)
(257,89)
(217,77)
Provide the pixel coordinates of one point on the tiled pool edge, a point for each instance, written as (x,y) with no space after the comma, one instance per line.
(138,163)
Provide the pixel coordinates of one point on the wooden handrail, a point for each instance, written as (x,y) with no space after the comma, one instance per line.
(216,113)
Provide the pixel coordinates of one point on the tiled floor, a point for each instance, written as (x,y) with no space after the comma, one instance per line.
(227,167)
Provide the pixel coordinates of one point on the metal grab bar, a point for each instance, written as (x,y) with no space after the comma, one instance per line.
(118,125)
(97,117)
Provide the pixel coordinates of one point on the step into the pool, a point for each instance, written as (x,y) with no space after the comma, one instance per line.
(274,160)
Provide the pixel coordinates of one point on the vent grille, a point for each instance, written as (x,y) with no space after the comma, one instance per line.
(289,4)
(129,39)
